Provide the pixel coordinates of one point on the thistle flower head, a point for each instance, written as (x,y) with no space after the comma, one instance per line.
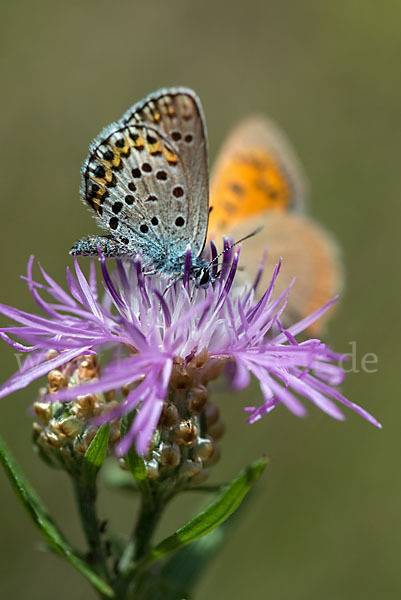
(164,337)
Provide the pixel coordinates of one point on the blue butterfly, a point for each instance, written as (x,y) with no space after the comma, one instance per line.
(146,178)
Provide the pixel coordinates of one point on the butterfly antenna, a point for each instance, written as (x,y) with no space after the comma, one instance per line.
(236,244)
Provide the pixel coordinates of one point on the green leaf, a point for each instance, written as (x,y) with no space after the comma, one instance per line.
(95,455)
(38,513)
(183,569)
(135,463)
(217,512)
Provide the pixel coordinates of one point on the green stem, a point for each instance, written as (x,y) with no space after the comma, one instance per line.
(146,525)
(138,546)
(86,498)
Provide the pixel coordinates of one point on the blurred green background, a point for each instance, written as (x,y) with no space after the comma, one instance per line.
(325,522)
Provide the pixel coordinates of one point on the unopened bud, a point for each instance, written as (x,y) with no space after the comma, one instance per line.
(84,407)
(70,426)
(110,395)
(199,397)
(152,468)
(52,439)
(88,368)
(169,455)
(114,433)
(181,379)
(203,449)
(56,380)
(186,433)
(214,459)
(43,411)
(200,359)
(169,417)
(191,468)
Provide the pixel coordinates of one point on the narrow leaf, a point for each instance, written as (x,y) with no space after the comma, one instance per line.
(183,569)
(95,455)
(217,512)
(38,513)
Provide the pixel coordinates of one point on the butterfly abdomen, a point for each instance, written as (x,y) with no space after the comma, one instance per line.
(91,245)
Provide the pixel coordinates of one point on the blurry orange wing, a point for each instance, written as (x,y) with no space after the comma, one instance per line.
(310,254)
(256,172)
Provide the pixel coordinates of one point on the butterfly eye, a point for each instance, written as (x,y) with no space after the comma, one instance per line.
(204,277)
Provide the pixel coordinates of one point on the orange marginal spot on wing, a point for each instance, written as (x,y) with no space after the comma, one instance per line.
(138,143)
(247,184)
(116,160)
(170,156)
(155,148)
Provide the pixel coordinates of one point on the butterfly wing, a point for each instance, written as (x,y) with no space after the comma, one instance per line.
(146,177)
(257,171)
(258,182)
(309,253)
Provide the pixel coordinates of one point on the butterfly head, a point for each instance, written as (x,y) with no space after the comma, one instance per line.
(203,277)
(198,270)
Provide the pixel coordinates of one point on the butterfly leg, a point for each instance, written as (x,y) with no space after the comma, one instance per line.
(172,282)
(108,246)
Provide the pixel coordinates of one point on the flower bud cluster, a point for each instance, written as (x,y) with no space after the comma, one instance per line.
(63,431)
(185,443)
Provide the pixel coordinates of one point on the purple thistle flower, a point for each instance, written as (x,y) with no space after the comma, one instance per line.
(151,329)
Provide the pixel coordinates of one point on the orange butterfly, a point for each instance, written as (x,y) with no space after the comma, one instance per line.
(258,181)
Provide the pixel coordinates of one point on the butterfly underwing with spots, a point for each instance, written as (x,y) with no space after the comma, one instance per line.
(258,181)
(146,178)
